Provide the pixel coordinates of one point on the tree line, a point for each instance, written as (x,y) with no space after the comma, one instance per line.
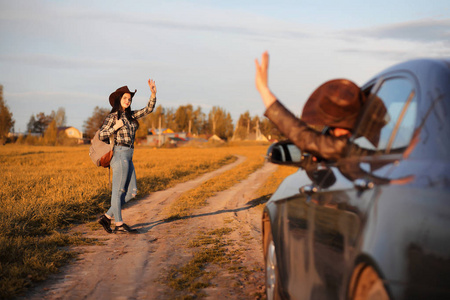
(43,128)
(6,119)
(192,121)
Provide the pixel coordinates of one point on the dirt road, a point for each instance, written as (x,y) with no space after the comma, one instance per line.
(136,266)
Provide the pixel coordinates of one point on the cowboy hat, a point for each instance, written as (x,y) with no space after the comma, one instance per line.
(336,103)
(117,95)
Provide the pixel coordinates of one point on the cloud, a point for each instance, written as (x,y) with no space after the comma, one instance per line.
(231,27)
(390,54)
(399,54)
(52,95)
(55,61)
(71,62)
(208,20)
(398,41)
(425,30)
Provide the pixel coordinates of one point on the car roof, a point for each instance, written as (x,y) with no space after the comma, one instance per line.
(432,75)
(420,68)
(432,78)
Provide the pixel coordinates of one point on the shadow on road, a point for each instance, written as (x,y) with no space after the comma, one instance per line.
(146,227)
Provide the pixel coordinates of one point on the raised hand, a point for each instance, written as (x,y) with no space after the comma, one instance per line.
(261,79)
(261,72)
(152,85)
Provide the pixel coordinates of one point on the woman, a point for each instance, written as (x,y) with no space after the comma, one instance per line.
(122,124)
(336,104)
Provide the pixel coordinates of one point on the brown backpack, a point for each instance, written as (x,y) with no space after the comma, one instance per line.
(101,152)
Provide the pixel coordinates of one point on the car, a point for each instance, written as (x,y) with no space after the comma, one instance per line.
(376,223)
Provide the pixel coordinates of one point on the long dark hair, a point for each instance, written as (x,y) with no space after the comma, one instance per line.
(118,107)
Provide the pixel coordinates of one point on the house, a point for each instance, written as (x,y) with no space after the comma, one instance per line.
(252,136)
(158,137)
(258,136)
(72,132)
(215,138)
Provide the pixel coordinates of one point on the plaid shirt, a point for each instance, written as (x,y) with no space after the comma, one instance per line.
(125,134)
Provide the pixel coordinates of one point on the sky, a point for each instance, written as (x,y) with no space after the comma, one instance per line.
(74,54)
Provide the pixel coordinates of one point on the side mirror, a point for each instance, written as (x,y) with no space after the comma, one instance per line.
(284,153)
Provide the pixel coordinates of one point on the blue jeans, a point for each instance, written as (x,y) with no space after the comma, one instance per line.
(124,185)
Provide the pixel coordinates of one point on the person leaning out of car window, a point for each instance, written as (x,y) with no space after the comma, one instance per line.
(335,104)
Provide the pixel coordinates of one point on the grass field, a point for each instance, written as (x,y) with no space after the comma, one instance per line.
(47,189)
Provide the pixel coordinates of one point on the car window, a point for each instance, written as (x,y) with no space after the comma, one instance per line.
(388,117)
(296,154)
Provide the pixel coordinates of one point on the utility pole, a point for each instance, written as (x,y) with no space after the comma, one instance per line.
(235,130)
(258,133)
(159,134)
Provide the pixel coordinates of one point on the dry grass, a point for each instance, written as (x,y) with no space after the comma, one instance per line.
(46,189)
(272,183)
(191,278)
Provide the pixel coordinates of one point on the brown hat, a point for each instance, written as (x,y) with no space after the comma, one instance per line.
(117,95)
(336,103)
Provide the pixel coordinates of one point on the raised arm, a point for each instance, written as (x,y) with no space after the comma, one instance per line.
(152,85)
(151,103)
(304,137)
(261,80)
